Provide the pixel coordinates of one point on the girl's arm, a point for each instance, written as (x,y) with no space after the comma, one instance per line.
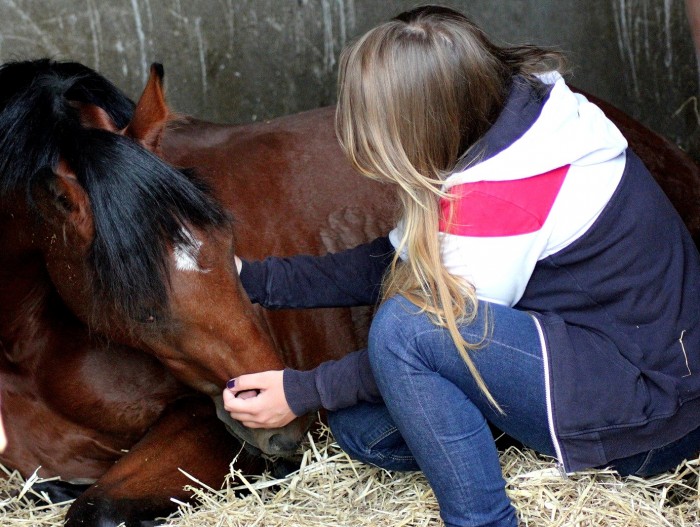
(345,279)
(272,399)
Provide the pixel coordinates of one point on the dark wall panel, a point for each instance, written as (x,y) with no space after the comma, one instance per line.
(246,60)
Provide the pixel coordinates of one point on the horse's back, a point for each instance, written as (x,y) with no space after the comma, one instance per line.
(287,183)
(294,164)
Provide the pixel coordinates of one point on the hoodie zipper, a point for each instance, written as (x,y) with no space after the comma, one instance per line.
(548,396)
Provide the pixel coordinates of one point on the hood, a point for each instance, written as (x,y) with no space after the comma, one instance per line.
(565,128)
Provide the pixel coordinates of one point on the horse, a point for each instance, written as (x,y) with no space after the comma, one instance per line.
(121,314)
(116,279)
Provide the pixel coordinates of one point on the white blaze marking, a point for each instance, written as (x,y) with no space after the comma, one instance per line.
(187,253)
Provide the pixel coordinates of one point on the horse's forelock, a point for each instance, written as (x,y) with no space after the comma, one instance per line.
(141,206)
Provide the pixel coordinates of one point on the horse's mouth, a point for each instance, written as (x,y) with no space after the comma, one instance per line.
(272,442)
(233,430)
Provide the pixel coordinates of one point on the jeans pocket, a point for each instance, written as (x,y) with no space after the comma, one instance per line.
(629,466)
(670,456)
(661,459)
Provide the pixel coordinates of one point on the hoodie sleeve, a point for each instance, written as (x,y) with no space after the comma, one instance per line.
(332,385)
(345,279)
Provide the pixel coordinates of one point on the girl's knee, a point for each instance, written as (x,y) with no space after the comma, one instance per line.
(395,321)
(391,317)
(397,333)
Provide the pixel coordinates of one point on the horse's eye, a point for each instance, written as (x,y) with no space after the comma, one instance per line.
(64,202)
(149,319)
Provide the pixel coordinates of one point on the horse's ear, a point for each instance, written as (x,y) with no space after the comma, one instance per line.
(151,112)
(92,116)
(61,199)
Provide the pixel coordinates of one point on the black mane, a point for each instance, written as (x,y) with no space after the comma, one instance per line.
(139,203)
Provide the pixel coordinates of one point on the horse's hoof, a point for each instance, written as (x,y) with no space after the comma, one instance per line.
(94,511)
(57,491)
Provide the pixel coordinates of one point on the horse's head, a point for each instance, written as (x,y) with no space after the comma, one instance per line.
(139,250)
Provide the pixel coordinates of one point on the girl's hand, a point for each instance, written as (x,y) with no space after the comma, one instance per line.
(257,400)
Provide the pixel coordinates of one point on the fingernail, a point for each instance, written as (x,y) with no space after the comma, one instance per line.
(231,384)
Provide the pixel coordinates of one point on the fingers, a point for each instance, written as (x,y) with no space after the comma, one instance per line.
(249,411)
(258,401)
(251,381)
(261,411)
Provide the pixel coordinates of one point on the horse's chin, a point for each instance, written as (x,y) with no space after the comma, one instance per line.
(271,442)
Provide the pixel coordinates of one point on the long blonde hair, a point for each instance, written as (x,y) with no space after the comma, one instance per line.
(414,94)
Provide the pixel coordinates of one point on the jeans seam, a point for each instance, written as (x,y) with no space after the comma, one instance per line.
(452,467)
(371,450)
(383,436)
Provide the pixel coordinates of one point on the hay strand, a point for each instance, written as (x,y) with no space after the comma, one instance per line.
(331,489)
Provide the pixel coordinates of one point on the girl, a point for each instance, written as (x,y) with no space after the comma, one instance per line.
(538,279)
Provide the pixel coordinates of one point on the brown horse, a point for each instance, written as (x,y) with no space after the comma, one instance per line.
(121,316)
(119,304)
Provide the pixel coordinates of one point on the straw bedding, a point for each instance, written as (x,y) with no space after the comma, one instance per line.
(330,489)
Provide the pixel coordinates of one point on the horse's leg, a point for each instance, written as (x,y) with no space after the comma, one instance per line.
(139,487)
(58,491)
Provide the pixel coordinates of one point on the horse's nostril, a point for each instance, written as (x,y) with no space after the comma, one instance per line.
(282,444)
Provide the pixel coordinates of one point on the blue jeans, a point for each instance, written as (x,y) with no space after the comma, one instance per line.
(435,416)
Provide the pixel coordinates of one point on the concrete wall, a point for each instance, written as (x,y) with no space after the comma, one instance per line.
(246,60)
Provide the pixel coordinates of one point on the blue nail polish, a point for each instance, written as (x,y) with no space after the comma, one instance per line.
(231,384)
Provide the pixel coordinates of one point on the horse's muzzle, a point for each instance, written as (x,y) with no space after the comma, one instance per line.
(283,442)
